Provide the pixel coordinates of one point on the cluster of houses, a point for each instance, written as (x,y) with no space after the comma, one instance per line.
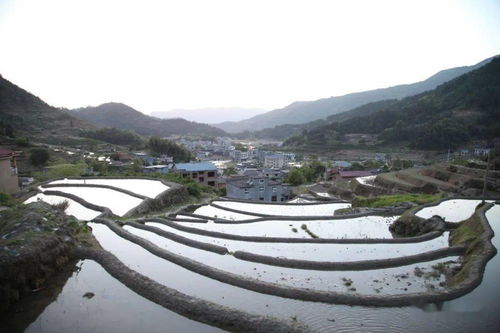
(258,184)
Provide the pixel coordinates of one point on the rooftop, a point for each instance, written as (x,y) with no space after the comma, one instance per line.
(351,174)
(4,152)
(196,166)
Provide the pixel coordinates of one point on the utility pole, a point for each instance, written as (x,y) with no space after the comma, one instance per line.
(486,175)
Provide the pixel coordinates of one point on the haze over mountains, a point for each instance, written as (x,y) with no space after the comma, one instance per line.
(22,110)
(210,115)
(122,116)
(456,112)
(303,112)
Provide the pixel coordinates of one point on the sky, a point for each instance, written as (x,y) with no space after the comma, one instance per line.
(162,55)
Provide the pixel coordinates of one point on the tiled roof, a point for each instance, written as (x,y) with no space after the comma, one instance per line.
(4,152)
(195,167)
(351,174)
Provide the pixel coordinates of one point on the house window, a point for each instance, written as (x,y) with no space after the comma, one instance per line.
(247,191)
(261,181)
(274,188)
(211,174)
(261,198)
(261,189)
(201,179)
(273,198)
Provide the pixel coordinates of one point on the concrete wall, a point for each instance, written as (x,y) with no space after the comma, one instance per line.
(8,177)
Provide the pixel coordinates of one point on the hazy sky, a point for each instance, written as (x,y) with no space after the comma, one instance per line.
(160,55)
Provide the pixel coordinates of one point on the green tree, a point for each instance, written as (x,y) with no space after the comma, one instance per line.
(296,177)
(230,171)
(39,156)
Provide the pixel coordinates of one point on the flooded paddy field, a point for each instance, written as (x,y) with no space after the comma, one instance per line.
(472,311)
(94,301)
(74,208)
(316,209)
(359,227)
(146,187)
(324,252)
(119,203)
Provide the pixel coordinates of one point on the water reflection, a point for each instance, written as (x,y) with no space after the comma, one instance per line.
(112,308)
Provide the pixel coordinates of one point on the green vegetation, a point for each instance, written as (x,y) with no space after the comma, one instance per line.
(23,141)
(122,116)
(6,200)
(114,136)
(162,146)
(306,229)
(468,233)
(62,170)
(39,156)
(230,171)
(451,115)
(194,188)
(392,200)
(307,174)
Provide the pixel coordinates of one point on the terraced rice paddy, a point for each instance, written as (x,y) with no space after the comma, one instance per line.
(171,255)
(319,209)
(74,208)
(146,187)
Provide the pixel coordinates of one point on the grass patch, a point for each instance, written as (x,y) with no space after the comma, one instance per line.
(392,200)
(306,229)
(6,200)
(468,233)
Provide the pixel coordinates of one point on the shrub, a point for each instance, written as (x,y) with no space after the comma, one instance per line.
(39,156)
(62,206)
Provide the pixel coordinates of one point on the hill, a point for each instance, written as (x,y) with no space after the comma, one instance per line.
(303,112)
(24,112)
(210,115)
(124,117)
(466,108)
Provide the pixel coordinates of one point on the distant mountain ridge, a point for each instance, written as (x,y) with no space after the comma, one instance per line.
(122,116)
(210,115)
(26,112)
(456,112)
(304,112)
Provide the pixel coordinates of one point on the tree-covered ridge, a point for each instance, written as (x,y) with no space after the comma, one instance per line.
(21,111)
(303,112)
(166,147)
(465,108)
(114,135)
(124,117)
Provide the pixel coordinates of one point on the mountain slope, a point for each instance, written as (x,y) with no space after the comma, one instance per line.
(466,108)
(124,117)
(303,112)
(24,111)
(210,115)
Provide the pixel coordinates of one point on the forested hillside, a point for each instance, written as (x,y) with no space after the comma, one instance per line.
(465,108)
(124,117)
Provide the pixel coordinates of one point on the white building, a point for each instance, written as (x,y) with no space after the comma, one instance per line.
(276,161)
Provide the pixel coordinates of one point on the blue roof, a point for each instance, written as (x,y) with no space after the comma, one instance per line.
(342,164)
(194,167)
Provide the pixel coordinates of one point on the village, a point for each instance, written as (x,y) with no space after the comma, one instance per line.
(249,170)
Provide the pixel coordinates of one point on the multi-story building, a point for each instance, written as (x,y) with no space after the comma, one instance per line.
(202,172)
(257,188)
(276,161)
